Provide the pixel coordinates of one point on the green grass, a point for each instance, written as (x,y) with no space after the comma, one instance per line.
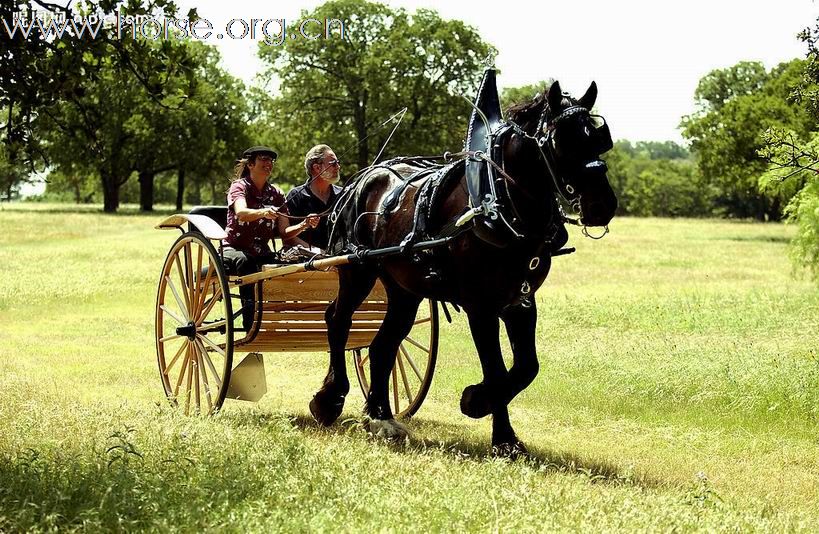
(679,390)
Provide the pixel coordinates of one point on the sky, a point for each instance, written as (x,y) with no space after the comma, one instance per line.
(646,56)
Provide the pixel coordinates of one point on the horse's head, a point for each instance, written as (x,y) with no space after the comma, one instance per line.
(572,141)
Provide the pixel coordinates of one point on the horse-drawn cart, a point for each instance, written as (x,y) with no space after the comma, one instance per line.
(198,309)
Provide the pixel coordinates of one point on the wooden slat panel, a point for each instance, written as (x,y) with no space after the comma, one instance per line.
(318,315)
(301,342)
(315,285)
(315,325)
(318,306)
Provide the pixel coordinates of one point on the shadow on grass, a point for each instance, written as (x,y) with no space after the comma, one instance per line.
(757,239)
(543,459)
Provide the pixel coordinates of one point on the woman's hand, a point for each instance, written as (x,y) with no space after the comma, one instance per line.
(269,213)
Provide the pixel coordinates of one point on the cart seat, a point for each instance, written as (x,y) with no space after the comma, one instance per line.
(217,213)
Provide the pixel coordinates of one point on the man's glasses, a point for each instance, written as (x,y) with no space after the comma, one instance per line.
(333,162)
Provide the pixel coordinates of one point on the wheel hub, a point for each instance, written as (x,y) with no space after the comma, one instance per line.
(188,331)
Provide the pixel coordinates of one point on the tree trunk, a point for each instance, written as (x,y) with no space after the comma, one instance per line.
(180,188)
(146,191)
(110,193)
(196,195)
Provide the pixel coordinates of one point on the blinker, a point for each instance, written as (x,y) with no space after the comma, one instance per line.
(601,136)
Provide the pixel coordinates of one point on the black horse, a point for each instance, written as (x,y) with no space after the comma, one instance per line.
(549,148)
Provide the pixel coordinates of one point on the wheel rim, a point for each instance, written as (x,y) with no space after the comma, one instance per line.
(411,375)
(194,336)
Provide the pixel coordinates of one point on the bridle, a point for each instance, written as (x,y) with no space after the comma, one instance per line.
(544,137)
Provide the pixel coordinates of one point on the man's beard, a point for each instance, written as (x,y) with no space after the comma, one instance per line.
(333,179)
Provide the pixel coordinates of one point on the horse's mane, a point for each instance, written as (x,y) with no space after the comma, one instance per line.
(524,113)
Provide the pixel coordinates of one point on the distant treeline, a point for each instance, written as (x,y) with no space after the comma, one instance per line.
(145,121)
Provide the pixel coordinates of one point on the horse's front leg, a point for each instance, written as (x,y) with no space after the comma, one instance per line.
(355,284)
(520,324)
(489,396)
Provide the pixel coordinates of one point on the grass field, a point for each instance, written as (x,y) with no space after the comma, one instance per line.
(679,390)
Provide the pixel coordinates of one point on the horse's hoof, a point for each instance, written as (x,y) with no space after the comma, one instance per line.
(326,407)
(475,401)
(511,450)
(386,429)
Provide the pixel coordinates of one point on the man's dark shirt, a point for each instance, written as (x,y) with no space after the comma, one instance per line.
(301,201)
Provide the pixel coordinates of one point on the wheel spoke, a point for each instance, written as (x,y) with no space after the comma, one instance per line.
(365,359)
(400,362)
(202,296)
(182,306)
(412,363)
(196,372)
(213,326)
(173,361)
(182,371)
(182,279)
(173,315)
(188,389)
(216,298)
(196,279)
(395,388)
(413,342)
(204,374)
(422,321)
(189,271)
(207,359)
(211,343)
(168,338)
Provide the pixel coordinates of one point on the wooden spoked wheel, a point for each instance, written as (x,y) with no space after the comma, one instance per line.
(194,330)
(414,364)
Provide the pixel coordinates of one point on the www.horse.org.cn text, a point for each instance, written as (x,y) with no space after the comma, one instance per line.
(48,25)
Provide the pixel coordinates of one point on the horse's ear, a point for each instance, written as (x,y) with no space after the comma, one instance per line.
(555,96)
(588,100)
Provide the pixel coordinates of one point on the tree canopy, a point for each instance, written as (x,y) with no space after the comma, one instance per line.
(340,90)
(737,106)
(792,156)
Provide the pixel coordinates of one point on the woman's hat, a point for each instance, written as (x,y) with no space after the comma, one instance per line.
(256,150)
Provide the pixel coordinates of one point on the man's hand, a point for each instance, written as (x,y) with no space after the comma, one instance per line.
(312,220)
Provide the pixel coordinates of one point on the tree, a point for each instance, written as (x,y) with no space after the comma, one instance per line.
(340,90)
(654,178)
(793,163)
(12,175)
(194,137)
(516,95)
(736,106)
(46,75)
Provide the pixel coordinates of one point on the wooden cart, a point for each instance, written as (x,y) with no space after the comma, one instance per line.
(198,323)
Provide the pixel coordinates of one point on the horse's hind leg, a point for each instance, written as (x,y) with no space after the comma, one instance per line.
(355,283)
(401,309)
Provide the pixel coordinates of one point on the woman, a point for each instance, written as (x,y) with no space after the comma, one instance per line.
(256,214)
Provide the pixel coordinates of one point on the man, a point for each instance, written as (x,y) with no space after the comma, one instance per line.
(317,195)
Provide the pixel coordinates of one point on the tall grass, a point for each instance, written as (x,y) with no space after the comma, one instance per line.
(679,390)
